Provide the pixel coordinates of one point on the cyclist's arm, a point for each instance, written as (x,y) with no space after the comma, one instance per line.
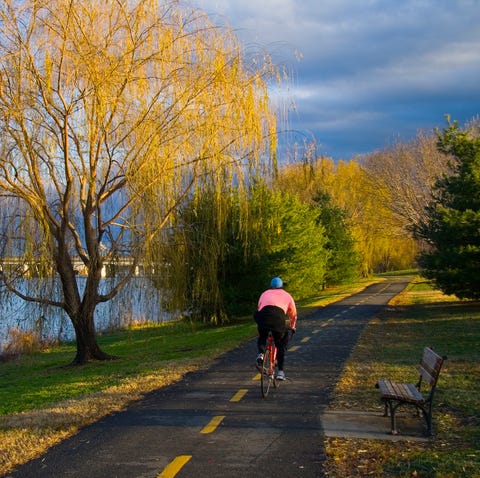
(292,315)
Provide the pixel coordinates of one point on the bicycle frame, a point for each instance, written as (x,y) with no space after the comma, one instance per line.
(272,355)
(269,368)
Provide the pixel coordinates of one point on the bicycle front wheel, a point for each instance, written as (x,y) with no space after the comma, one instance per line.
(266,377)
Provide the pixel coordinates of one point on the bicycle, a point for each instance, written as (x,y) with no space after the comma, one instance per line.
(269,367)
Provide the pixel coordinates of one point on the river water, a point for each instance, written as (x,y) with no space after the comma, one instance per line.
(139,302)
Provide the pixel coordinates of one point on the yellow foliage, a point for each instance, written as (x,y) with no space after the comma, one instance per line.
(379,235)
(135,105)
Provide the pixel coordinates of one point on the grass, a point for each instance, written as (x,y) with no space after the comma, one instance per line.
(43,378)
(420,316)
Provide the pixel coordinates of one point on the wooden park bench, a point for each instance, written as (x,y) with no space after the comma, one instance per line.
(395,394)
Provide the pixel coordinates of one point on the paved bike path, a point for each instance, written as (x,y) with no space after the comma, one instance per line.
(214,423)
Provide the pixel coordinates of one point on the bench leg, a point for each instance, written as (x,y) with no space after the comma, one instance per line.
(427,415)
(393,421)
(390,407)
(429,426)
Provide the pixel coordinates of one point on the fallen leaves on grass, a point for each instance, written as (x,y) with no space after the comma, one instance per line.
(353,458)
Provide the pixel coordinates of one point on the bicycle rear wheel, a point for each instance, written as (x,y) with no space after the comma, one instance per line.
(266,377)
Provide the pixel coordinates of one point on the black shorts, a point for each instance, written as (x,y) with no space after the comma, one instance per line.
(271,317)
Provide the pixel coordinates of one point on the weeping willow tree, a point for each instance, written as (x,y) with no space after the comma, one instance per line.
(194,250)
(112,115)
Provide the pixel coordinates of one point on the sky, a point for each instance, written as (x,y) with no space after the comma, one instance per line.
(364,74)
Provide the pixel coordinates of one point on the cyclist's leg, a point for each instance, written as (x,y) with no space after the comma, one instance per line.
(262,339)
(286,338)
(279,343)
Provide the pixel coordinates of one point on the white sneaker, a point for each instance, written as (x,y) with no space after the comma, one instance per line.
(259,360)
(281,375)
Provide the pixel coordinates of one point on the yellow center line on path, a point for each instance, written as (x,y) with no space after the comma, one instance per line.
(239,395)
(305,339)
(295,347)
(212,426)
(257,377)
(174,466)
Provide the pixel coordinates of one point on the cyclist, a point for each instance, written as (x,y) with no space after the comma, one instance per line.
(275,307)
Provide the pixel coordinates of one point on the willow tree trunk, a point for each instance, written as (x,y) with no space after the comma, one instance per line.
(81,310)
(86,337)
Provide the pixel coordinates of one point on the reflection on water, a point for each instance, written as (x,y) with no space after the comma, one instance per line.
(137,303)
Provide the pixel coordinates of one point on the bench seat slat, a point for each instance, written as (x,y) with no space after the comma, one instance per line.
(406,392)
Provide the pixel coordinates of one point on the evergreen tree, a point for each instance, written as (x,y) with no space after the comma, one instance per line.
(298,251)
(281,237)
(452,227)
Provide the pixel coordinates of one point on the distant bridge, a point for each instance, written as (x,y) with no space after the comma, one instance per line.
(31,268)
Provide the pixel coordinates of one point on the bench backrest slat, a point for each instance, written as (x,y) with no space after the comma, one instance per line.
(430,365)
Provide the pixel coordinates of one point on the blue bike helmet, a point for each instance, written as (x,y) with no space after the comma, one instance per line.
(276,283)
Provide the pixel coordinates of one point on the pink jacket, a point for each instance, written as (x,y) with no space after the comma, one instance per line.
(280,298)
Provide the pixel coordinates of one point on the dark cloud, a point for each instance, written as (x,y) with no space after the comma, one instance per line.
(365,74)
